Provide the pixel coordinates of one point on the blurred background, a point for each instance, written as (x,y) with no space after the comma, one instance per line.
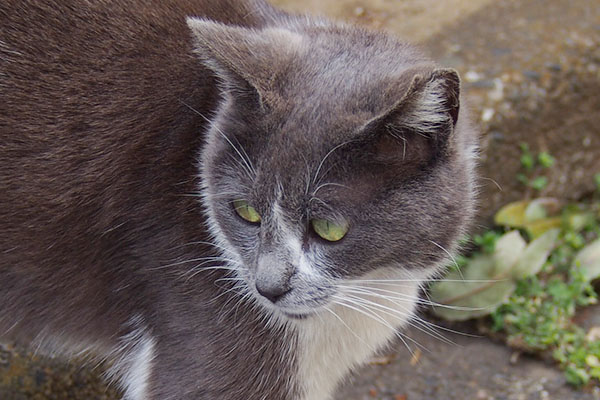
(531,72)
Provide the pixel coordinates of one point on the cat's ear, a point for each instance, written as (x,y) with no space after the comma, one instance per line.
(245,58)
(421,123)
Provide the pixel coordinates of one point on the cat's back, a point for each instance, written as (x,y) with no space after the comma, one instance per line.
(99,95)
(109,57)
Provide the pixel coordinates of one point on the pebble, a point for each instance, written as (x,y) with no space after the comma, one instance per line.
(472,76)
(359,11)
(534,75)
(487,114)
(497,94)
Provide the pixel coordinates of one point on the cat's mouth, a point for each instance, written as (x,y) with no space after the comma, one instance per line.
(297,308)
(297,316)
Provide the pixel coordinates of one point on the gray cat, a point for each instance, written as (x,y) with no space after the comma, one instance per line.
(223,200)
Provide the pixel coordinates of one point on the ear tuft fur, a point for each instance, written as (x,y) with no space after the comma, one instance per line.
(418,127)
(431,104)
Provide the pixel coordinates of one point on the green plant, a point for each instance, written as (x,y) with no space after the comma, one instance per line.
(530,276)
(538,318)
(532,164)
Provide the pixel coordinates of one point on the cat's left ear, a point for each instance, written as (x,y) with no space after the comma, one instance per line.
(423,119)
(245,58)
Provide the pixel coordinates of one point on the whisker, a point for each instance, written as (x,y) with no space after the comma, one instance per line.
(222,248)
(401,317)
(248,164)
(379,319)
(426,280)
(451,257)
(232,279)
(325,158)
(443,328)
(416,322)
(347,327)
(205,259)
(232,289)
(493,181)
(402,296)
(195,271)
(323,185)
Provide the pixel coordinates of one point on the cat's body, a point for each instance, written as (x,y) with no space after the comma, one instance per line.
(126,133)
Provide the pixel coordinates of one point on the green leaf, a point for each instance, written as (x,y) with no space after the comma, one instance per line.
(535,210)
(545,159)
(539,227)
(541,208)
(487,240)
(523,179)
(588,260)
(535,255)
(576,221)
(512,214)
(507,252)
(472,293)
(527,161)
(576,376)
(522,214)
(539,183)
(592,361)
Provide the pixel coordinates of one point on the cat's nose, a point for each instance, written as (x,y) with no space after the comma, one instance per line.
(272,292)
(273,277)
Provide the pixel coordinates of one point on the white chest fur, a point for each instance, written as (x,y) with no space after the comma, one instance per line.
(336,341)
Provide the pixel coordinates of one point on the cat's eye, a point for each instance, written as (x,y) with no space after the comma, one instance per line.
(246,211)
(328,230)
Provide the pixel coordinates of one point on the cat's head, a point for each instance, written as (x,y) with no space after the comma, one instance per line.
(336,154)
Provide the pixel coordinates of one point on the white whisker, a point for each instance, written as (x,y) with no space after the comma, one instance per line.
(370,313)
(316,177)
(417,323)
(347,327)
(205,259)
(449,255)
(248,167)
(401,296)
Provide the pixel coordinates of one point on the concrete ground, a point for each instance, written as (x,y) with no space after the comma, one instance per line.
(473,368)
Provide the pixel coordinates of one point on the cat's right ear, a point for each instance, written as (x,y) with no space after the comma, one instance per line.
(245,58)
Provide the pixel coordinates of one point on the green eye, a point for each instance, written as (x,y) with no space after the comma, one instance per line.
(329,230)
(246,211)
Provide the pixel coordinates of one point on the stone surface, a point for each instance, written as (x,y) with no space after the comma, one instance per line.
(471,368)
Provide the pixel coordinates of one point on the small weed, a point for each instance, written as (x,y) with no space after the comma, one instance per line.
(532,166)
(545,159)
(535,312)
(487,241)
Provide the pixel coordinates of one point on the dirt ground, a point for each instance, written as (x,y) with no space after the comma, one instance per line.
(472,368)
(415,20)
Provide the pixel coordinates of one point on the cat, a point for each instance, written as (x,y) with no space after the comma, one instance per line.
(220,199)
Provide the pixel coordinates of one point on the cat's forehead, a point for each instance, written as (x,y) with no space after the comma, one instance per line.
(350,66)
(335,84)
